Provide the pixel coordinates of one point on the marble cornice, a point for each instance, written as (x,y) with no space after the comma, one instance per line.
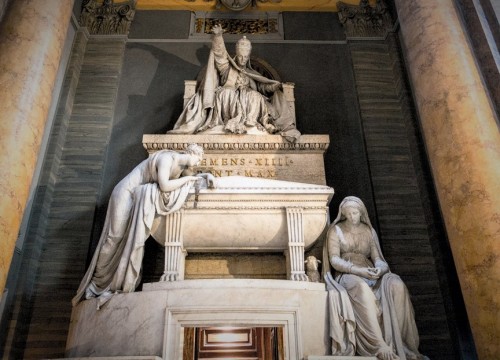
(222,143)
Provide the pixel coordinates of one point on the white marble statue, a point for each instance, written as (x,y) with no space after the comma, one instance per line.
(234,98)
(158,185)
(370,308)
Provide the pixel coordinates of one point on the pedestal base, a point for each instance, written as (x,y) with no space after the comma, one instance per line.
(152,322)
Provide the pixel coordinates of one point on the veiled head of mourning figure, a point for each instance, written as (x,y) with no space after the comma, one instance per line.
(353,210)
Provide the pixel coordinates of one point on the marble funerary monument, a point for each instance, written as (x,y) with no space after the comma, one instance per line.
(236,176)
(262,189)
(407,92)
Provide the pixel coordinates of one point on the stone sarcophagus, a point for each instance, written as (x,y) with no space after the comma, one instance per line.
(245,215)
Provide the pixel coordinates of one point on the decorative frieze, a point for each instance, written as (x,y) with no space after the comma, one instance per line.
(237,26)
(363,20)
(266,25)
(108,18)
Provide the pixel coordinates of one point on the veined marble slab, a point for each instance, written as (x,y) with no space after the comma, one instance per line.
(151,322)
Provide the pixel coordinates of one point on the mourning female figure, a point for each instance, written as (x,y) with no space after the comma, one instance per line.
(370,308)
(159,185)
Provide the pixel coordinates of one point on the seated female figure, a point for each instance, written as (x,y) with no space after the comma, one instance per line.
(383,313)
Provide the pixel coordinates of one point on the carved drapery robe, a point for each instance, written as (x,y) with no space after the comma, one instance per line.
(133,205)
(235,99)
(366,316)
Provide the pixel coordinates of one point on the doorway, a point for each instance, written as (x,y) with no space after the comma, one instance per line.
(225,343)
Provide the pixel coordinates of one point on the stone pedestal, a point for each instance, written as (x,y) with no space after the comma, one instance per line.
(151,322)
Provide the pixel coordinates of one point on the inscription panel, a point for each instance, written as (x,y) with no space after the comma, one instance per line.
(266,156)
(291,167)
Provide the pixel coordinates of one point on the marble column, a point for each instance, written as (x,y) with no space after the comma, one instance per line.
(32,36)
(463,142)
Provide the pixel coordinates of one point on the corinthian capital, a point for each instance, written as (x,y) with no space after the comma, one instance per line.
(108,18)
(364,20)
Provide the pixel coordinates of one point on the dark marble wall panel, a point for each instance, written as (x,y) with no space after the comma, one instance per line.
(312,26)
(160,25)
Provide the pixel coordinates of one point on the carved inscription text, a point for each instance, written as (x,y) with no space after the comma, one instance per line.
(249,165)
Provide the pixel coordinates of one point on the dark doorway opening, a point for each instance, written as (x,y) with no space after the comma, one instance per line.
(224,343)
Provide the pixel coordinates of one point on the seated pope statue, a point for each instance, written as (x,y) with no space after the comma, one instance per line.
(370,309)
(159,185)
(234,98)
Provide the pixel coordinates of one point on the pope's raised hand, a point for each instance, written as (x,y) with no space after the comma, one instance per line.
(217,29)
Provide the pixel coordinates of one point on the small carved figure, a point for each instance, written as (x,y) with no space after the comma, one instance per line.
(236,98)
(373,305)
(312,266)
(158,185)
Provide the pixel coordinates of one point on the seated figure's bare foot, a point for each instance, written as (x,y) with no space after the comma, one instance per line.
(386,353)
